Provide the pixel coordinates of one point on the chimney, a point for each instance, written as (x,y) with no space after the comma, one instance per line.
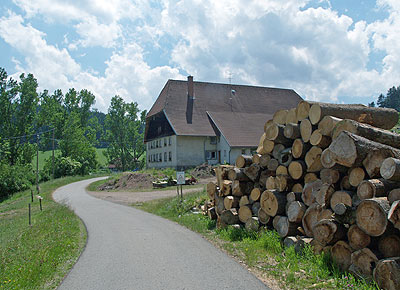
(190,87)
(190,100)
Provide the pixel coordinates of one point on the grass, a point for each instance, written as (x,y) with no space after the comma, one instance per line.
(43,155)
(261,251)
(38,256)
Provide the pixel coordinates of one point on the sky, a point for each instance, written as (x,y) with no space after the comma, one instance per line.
(342,51)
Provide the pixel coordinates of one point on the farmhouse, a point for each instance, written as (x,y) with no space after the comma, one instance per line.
(196,122)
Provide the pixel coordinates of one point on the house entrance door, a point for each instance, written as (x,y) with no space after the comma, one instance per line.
(219,156)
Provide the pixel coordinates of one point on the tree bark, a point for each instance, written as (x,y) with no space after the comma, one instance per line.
(273,202)
(253,172)
(243,161)
(324,194)
(342,196)
(394,195)
(263,218)
(305,130)
(277,150)
(351,150)
(313,159)
(244,200)
(237,174)
(221,172)
(252,224)
(226,188)
(212,213)
(357,238)
(310,177)
(219,205)
(238,188)
(394,214)
(275,133)
(293,196)
(387,273)
(229,217)
(372,133)
(255,207)
(375,188)
(265,146)
(378,117)
(329,176)
(256,158)
(231,202)
(285,157)
(273,164)
(372,214)
(283,183)
(341,254)
(312,216)
(320,140)
(211,190)
(310,192)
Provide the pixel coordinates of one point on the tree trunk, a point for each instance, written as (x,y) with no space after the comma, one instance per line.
(327,124)
(345,214)
(221,172)
(270,184)
(365,260)
(267,124)
(310,191)
(212,214)
(255,195)
(378,117)
(237,174)
(327,158)
(303,108)
(243,161)
(211,190)
(283,183)
(245,213)
(226,188)
(394,214)
(394,195)
(263,217)
(297,188)
(280,117)
(372,133)
(238,188)
(253,171)
(231,202)
(252,224)
(317,139)
(293,196)
(273,202)
(265,146)
(313,159)
(284,228)
(375,188)
(345,184)
(310,177)
(244,200)
(277,150)
(292,131)
(299,148)
(389,246)
(356,175)
(328,231)
(312,216)
(351,150)
(390,169)
(219,205)
(282,170)
(291,117)
(305,130)
(297,169)
(387,274)
(256,158)
(341,255)
(265,158)
(229,217)
(342,196)
(295,211)
(285,157)
(357,238)
(372,216)
(324,194)
(275,133)
(329,176)
(273,164)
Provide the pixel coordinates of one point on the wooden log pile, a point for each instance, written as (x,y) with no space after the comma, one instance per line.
(327,175)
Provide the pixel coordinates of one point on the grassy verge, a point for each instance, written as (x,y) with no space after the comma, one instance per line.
(262,252)
(38,256)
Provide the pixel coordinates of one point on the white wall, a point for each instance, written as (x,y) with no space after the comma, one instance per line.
(169,147)
(190,151)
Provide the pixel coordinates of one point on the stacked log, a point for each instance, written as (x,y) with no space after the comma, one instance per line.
(326,175)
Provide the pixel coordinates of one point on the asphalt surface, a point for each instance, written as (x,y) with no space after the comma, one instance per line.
(130,249)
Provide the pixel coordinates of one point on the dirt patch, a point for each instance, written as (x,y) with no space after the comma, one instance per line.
(203,171)
(129,181)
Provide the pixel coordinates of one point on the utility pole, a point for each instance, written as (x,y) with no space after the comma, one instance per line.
(52,160)
(37,163)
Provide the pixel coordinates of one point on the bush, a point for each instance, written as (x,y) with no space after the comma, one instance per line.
(63,166)
(15,178)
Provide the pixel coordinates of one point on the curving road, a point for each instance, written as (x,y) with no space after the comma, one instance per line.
(131,249)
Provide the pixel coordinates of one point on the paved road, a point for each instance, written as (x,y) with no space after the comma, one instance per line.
(131,249)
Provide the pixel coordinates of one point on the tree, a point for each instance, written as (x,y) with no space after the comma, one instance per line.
(372,104)
(391,100)
(124,132)
(18,104)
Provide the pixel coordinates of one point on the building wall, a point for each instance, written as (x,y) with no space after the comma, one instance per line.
(190,151)
(166,146)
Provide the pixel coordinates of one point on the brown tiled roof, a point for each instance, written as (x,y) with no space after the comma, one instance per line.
(218,98)
(240,129)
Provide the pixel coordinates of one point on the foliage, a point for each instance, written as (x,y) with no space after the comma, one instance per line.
(124,132)
(15,178)
(391,100)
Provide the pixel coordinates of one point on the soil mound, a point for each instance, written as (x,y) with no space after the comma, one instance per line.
(129,181)
(203,171)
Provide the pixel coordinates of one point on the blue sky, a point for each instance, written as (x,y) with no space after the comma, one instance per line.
(345,51)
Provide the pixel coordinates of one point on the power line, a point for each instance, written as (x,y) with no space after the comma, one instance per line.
(23,136)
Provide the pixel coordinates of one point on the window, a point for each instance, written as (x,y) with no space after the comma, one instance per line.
(169,141)
(165,142)
(211,155)
(165,156)
(160,157)
(213,140)
(224,153)
(170,156)
(149,158)
(243,151)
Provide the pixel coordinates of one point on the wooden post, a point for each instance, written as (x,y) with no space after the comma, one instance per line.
(29,214)
(52,158)
(37,163)
(40,202)
(31,194)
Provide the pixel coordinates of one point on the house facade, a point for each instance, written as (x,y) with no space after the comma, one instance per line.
(192,123)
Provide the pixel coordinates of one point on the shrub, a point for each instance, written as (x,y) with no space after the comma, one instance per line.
(15,178)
